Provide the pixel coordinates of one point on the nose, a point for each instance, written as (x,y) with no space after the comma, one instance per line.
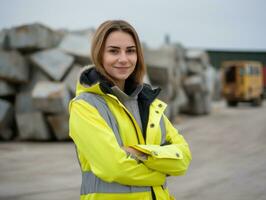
(122,57)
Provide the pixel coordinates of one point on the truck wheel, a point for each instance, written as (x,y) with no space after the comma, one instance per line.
(232,103)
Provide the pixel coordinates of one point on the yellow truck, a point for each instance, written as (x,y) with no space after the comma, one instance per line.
(242,81)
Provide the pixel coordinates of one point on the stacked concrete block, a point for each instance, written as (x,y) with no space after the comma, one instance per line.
(26,112)
(2,39)
(78,46)
(13,67)
(6,89)
(14,71)
(32,108)
(6,118)
(72,78)
(38,79)
(36,75)
(53,62)
(32,37)
(163,67)
(51,97)
(193,84)
(24,102)
(6,112)
(197,60)
(146,79)
(185,76)
(88,33)
(32,126)
(59,125)
(198,83)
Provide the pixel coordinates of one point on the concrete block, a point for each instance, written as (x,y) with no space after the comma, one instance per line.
(78,46)
(6,117)
(59,125)
(180,51)
(51,97)
(165,56)
(13,67)
(32,37)
(161,64)
(177,104)
(197,60)
(24,102)
(53,62)
(36,75)
(200,104)
(182,66)
(6,89)
(173,109)
(209,76)
(32,126)
(182,98)
(6,113)
(207,102)
(200,55)
(88,33)
(146,79)
(72,78)
(158,75)
(2,39)
(6,133)
(167,93)
(194,84)
(194,67)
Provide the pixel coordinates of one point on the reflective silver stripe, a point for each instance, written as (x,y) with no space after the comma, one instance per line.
(99,103)
(97,185)
(163,131)
(163,141)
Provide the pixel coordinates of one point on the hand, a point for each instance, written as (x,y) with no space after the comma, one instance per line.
(133,151)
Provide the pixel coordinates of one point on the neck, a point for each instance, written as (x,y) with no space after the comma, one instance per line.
(120,84)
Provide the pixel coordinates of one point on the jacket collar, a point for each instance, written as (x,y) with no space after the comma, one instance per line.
(89,78)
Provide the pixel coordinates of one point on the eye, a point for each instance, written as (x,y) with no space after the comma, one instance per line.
(113,51)
(131,51)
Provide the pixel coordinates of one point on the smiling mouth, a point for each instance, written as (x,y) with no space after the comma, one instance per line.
(121,67)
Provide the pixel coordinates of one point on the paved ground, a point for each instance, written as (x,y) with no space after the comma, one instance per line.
(228,150)
(229,155)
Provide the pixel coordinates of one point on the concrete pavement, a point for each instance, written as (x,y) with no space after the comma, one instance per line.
(228,149)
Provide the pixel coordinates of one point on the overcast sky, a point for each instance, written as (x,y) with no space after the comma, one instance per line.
(215,24)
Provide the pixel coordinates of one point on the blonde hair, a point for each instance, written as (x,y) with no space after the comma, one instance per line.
(98,43)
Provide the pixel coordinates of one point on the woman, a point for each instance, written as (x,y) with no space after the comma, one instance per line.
(125,144)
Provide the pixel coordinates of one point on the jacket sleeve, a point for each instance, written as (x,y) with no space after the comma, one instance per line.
(172,159)
(97,143)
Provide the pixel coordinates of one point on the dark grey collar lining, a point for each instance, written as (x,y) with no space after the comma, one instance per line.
(125,97)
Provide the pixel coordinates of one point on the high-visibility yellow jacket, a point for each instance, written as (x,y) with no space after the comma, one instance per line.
(100,124)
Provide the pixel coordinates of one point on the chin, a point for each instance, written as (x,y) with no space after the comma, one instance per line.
(122,77)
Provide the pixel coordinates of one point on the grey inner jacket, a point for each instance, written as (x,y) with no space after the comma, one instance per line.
(130,101)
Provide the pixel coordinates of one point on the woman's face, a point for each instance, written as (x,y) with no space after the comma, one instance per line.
(119,56)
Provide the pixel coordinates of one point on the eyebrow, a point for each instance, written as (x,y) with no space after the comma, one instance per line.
(115,47)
